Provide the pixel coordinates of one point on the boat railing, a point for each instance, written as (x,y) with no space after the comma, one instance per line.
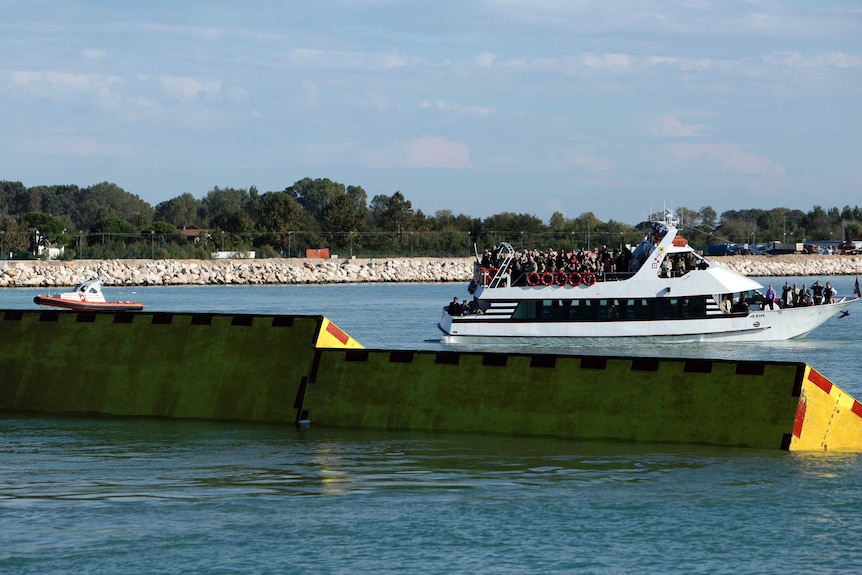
(503,271)
(496,275)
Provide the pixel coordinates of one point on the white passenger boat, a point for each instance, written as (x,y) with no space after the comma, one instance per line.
(668,293)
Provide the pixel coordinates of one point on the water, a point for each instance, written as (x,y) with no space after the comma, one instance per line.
(90,495)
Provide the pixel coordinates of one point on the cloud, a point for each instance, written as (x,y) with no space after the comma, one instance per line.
(71,146)
(187,88)
(485,59)
(822,60)
(457,108)
(665,125)
(731,158)
(346,60)
(328,152)
(606,61)
(588,162)
(685,64)
(94,55)
(425,152)
(64,85)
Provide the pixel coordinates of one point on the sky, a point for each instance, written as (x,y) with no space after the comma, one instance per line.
(619,108)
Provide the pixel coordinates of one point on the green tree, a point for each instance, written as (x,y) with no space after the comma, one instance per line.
(15,237)
(219,200)
(280,216)
(182,211)
(108,223)
(315,196)
(341,217)
(9,194)
(817,224)
(163,228)
(396,213)
(51,231)
(233,221)
(558,222)
(708,218)
(687,218)
(123,205)
(360,200)
(45,223)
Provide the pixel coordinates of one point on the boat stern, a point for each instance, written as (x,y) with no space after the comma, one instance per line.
(445,323)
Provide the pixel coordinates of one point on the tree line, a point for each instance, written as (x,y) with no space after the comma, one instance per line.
(105,221)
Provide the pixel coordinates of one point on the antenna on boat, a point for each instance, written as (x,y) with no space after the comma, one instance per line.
(669,219)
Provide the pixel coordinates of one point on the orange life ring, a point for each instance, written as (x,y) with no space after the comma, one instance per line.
(575,279)
(533,279)
(589,278)
(561,279)
(547,278)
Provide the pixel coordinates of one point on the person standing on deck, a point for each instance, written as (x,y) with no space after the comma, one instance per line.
(828,293)
(770,297)
(817,292)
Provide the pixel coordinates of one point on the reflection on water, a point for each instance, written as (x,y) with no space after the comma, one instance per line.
(119,459)
(104,459)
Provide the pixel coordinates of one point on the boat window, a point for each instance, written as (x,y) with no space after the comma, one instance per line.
(694,307)
(555,309)
(638,309)
(582,310)
(611,309)
(605,308)
(527,309)
(674,308)
(667,308)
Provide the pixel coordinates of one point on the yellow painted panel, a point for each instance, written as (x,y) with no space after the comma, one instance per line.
(332,336)
(827,417)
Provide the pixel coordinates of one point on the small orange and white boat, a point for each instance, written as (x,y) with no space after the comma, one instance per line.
(87,296)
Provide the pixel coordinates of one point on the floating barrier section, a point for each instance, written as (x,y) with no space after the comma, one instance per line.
(210,366)
(305,369)
(641,399)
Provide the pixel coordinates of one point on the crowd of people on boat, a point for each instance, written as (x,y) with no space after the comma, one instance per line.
(607,263)
(463,307)
(602,261)
(796,297)
(791,296)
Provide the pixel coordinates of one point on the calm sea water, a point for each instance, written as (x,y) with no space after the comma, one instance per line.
(106,496)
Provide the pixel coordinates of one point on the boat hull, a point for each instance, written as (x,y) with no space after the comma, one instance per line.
(88,306)
(758,325)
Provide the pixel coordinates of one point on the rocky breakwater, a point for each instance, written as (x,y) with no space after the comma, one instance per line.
(236,272)
(317,271)
(793,265)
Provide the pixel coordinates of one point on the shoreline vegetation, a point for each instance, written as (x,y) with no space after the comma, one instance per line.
(292,271)
(104,221)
